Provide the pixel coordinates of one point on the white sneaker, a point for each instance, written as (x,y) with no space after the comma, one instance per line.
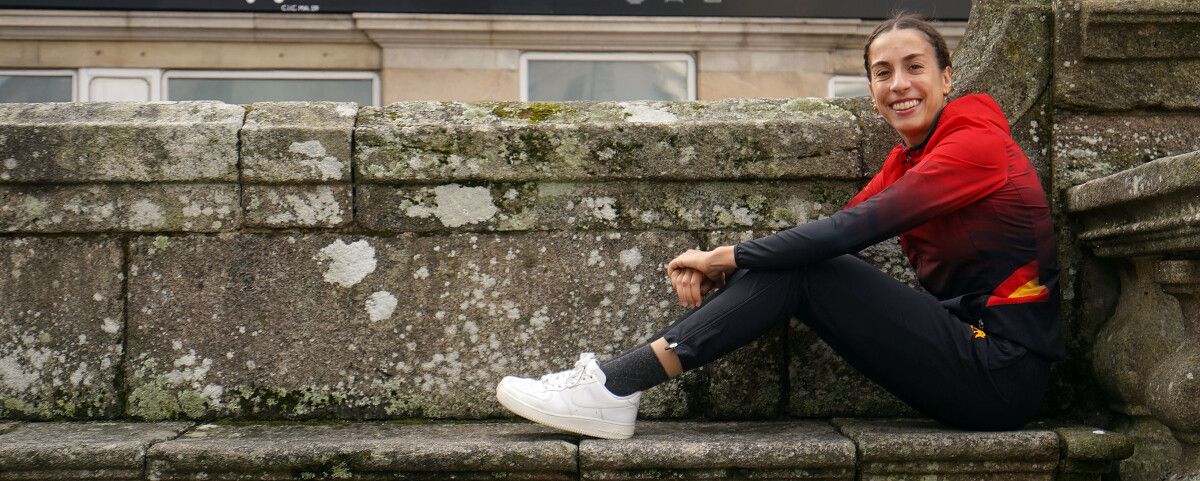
(574,400)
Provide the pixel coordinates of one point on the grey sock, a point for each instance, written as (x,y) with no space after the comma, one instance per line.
(636,370)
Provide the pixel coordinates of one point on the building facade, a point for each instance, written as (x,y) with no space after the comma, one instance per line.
(376,58)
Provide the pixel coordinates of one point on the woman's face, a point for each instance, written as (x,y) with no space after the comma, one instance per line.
(907,87)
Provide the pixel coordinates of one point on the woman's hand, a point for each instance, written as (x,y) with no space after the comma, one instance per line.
(695,273)
(691,286)
(712,264)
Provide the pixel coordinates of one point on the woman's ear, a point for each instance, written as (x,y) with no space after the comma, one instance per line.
(946,80)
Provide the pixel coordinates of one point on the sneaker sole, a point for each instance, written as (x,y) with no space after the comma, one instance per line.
(575,424)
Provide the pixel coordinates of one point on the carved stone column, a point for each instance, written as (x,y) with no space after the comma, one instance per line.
(1174,386)
(1149,347)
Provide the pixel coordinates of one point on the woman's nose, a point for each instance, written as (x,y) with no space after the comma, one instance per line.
(900,82)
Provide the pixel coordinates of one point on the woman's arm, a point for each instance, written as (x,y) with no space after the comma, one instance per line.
(964,167)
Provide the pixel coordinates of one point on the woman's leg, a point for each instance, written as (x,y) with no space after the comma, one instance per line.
(902,339)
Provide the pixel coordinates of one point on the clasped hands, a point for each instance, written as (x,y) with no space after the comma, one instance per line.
(695,273)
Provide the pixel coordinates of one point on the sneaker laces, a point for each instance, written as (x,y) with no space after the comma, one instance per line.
(571,377)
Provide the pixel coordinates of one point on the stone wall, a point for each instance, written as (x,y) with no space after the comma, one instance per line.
(1125,102)
(316,260)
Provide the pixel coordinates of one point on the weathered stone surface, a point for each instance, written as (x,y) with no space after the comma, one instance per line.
(344,326)
(60,327)
(282,206)
(744,450)
(1151,209)
(913,448)
(1006,53)
(119,208)
(1091,73)
(1089,451)
(297,141)
(119,142)
(878,138)
(624,205)
(1155,451)
(1092,146)
(6,426)
(1128,30)
(83,451)
(734,139)
(366,451)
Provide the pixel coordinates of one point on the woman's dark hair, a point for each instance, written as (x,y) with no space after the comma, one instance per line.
(916,22)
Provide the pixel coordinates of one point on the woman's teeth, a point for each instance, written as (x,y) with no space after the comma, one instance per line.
(905,105)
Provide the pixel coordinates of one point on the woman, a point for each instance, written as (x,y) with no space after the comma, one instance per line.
(973,221)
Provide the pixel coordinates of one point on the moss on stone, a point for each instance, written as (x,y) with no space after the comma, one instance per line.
(534,112)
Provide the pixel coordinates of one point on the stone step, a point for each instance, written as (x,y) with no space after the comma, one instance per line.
(838,449)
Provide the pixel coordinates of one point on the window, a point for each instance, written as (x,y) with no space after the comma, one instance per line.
(37,86)
(548,76)
(243,87)
(847,86)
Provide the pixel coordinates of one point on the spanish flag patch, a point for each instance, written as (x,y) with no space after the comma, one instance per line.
(1020,287)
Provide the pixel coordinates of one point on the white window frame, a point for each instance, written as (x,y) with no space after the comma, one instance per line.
(152,76)
(277,75)
(49,72)
(609,56)
(842,78)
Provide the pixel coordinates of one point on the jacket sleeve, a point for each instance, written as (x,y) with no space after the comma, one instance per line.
(872,188)
(967,165)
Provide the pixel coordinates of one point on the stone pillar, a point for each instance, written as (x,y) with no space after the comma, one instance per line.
(1173,389)
(1144,356)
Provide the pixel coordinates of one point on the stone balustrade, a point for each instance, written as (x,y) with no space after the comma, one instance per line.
(1148,217)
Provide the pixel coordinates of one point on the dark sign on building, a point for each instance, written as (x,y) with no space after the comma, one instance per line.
(868,9)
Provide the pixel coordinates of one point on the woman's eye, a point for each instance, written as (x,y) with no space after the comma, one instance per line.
(881,74)
(915,67)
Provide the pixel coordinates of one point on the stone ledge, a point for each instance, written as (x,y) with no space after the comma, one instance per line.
(119,142)
(81,451)
(895,449)
(510,141)
(366,451)
(745,450)
(1148,210)
(902,449)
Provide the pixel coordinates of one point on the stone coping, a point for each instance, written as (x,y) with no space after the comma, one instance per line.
(797,449)
(1151,209)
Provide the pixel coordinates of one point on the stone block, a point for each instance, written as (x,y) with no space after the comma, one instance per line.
(119,208)
(1006,53)
(60,327)
(744,450)
(297,141)
(119,142)
(878,138)
(1092,146)
(297,206)
(1088,453)
(363,327)
(735,139)
(1113,55)
(472,451)
(610,205)
(6,426)
(1125,30)
(81,451)
(901,449)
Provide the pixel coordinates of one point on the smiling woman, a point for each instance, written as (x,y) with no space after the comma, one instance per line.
(909,74)
(973,221)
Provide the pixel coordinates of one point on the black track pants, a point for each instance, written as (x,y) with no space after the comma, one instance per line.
(901,338)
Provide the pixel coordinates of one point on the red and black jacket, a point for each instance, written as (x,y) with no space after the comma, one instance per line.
(972,219)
